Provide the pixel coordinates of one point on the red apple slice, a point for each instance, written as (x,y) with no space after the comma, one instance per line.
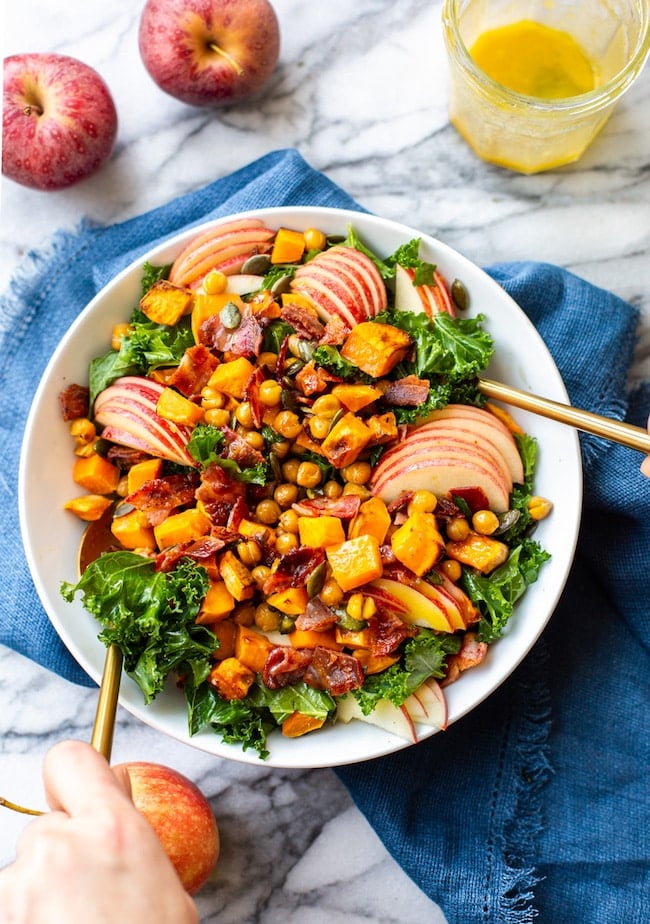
(453,608)
(393,719)
(225,248)
(126,411)
(342,282)
(412,606)
(430,299)
(428,706)
(485,423)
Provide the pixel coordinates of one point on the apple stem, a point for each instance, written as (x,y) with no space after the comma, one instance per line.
(224,54)
(18,808)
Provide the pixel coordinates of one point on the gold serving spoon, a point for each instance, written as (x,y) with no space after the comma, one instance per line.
(623,433)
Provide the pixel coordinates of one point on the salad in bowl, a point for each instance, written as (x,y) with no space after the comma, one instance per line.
(305,526)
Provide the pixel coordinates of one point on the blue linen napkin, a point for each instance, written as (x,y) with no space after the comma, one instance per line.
(536,803)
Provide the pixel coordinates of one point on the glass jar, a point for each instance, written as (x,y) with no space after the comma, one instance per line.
(529,133)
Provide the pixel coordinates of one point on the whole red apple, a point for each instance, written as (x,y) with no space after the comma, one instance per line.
(59,121)
(209,52)
(182,818)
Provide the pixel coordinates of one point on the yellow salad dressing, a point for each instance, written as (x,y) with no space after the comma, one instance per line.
(535,60)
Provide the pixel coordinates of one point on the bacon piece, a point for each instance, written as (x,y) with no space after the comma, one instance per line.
(195,368)
(387,632)
(335,333)
(474,497)
(252,395)
(345,507)
(218,492)
(409,391)
(293,569)
(243,340)
(317,616)
(158,497)
(471,653)
(285,665)
(334,671)
(73,402)
(202,551)
(304,322)
(125,457)
(240,450)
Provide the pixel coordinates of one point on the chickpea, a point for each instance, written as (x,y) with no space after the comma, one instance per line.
(332,489)
(319,426)
(285,542)
(457,529)
(359,489)
(266,618)
(287,424)
(308,475)
(215,282)
(485,522)
(285,495)
(270,393)
(357,472)
(260,573)
(122,486)
(281,449)
(423,501)
(244,415)
(451,569)
(539,508)
(254,438)
(314,239)
(249,553)
(211,398)
(217,417)
(331,594)
(268,512)
(326,405)
(267,360)
(290,470)
(289,521)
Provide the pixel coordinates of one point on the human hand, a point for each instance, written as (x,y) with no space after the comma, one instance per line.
(94,857)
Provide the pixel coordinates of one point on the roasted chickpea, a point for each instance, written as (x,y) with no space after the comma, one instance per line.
(249,553)
(254,438)
(287,424)
(357,472)
(268,512)
(289,521)
(326,405)
(215,282)
(308,475)
(319,426)
(285,495)
(290,470)
(314,239)
(285,542)
(270,393)
(451,568)
(260,573)
(266,618)
(423,501)
(332,489)
(485,522)
(217,417)
(331,594)
(267,360)
(457,529)
(244,415)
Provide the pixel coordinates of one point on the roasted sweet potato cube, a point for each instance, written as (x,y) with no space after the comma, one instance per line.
(346,440)
(355,397)
(218,603)
(231,678)
(372,519)
(355,562)
(417,543)
(383,428)
(181,527)
(179,409)
(236,576)
(252,648)
(376,348)
(480,552)
(291,601)
(319,532)
(166,303)
(299,723)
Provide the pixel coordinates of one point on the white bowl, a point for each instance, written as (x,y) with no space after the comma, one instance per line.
(51,541)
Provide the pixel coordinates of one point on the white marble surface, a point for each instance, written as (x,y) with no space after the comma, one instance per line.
(361,92)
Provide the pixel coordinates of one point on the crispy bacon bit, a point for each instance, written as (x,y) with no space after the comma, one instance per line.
(401,501)
(285,665)
(474,497)
(244,340)
(218,492)
(317,616)
(158,497)
(73,402)
(195,368)
(336,330)
(388,631)
(334,671)
(203,551)
(293,569)
(304,322)
(409,391)
(252,395)
(125,457)
(240,450)
(345,507)
(471,653)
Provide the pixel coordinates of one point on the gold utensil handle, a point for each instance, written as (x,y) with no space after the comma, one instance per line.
(623,433)
(102,736)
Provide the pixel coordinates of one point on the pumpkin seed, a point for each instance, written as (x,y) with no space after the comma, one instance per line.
(316,579)
(459,295)
(230,316)
(257,265)
(282,284)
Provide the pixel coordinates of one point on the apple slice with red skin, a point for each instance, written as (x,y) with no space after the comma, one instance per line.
(455,610)
(428,706)
(484,422)
(393,719)
(412,606)
(430,299)
(126,411)
(342,283)
(225,248)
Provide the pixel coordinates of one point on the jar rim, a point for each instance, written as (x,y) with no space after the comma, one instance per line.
(596,99)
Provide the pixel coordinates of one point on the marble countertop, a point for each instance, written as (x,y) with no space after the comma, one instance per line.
(361,92)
